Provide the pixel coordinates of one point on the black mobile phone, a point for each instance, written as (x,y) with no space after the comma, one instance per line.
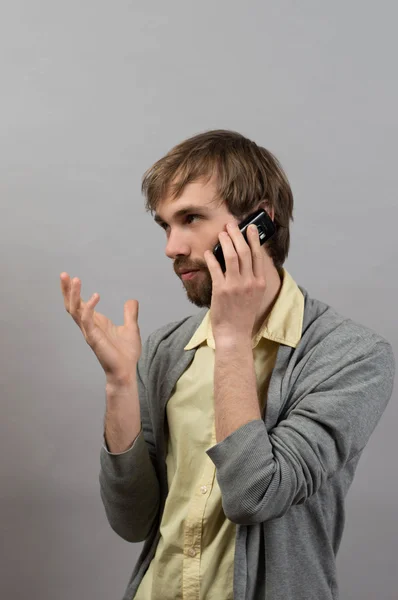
(265,226)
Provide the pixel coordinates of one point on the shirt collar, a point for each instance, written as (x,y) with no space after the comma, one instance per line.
(283,325)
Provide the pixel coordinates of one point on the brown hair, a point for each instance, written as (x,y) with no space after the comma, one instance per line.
(246,176)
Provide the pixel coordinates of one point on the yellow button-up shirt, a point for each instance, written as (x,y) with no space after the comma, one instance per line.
(194,558)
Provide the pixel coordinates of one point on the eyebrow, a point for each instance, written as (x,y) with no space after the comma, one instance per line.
(182,212)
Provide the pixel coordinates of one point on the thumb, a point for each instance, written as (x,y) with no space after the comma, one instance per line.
(131,312)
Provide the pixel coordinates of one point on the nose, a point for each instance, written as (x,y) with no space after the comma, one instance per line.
(176,246)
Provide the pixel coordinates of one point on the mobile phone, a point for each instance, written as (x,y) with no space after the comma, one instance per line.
(265,227)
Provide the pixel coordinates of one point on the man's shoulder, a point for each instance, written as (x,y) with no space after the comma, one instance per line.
(323,328)
(179,328)
(174,334)
(328,332)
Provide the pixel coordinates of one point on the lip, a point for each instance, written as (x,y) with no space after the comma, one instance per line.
(189,274)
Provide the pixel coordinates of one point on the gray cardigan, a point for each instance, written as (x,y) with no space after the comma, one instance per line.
(283,480)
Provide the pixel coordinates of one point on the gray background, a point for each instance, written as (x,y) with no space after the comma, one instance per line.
(92,93)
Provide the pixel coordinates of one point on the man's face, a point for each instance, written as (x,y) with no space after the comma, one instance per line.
(191,233)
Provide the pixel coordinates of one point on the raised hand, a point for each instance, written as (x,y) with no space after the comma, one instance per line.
(117,348)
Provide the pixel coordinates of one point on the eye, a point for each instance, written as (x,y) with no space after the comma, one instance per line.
(190,216)
(186,219)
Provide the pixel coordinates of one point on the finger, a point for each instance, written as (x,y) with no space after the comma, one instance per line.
(87,313)
(131,312)
(214,267)
(66,285)
(257,253)
(243,250)
(65,288)
(230,255)
(75,301)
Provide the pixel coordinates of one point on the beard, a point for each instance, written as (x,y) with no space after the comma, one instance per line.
(199,289)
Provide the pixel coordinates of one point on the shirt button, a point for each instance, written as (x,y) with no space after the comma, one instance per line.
(192,552)
(203,489)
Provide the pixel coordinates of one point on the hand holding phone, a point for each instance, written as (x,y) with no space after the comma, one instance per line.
(265,227)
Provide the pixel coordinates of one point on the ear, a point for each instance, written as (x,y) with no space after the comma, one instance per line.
(269,209)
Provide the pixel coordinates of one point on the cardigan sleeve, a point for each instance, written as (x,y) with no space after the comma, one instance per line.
(129,485)
(261,474)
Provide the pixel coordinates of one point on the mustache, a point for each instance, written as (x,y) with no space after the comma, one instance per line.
(179,266)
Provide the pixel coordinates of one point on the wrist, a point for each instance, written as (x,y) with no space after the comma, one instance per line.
(119,382)
(118,394)
(233,344)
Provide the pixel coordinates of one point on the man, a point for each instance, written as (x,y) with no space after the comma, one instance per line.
(253,414)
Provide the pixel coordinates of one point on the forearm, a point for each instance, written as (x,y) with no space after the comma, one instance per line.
(128,482)
(235,387)
(122,416)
